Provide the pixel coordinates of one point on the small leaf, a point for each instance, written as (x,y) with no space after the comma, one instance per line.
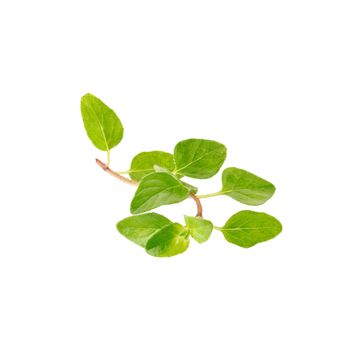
(140,228)
(200,229)
(198,158)
(169,241)
(246,187)
(158,189)
(144,163)
(101,123)
(247,228)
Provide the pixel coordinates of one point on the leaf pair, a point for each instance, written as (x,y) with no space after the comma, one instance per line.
(159,172)
(158,235)
(196,158)
(162,238)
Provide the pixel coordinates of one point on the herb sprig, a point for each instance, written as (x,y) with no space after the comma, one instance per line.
(159,176)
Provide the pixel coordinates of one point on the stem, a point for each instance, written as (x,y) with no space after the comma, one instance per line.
(106,168)
(199,205)
(122,178)
(108,157)
(210,194)
(217,228)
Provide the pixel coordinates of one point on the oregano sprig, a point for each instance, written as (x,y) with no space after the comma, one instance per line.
(158,176)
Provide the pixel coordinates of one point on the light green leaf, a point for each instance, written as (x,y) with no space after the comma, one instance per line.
(246,187)
(101,123)
(140,228)
(192,189)
(247,228)
(144,163)
(200,229)
(159,169)
(158,189)
(198,158)
(169,241)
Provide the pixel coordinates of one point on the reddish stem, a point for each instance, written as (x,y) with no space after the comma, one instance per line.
(124,179)
(106,168)
(199,205)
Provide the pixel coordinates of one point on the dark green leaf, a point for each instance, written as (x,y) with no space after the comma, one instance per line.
(158,189)
(101,123)
(247,228)
(198,158)
(140,228)
(144,163)
(246,187)
(200,229)
(169,241)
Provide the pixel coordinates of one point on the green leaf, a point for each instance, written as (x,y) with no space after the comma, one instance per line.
(144,163)
(158,189)
(200,229)
(159,169)
(246,187)
(247,228)
(101,123)
(140,228)
(192,189)
(198,158)
(169,241)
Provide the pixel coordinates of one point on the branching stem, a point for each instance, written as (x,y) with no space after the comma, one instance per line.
(124,179)
(107,169)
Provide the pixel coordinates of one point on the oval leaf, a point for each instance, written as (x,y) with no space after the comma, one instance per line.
(169,241)
(247,228)
(158,189)
(198,158)
(101,123)
(144,163)
(200,229)
(140,228)
(246,187)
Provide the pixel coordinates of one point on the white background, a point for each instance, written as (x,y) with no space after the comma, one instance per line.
(269,79)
